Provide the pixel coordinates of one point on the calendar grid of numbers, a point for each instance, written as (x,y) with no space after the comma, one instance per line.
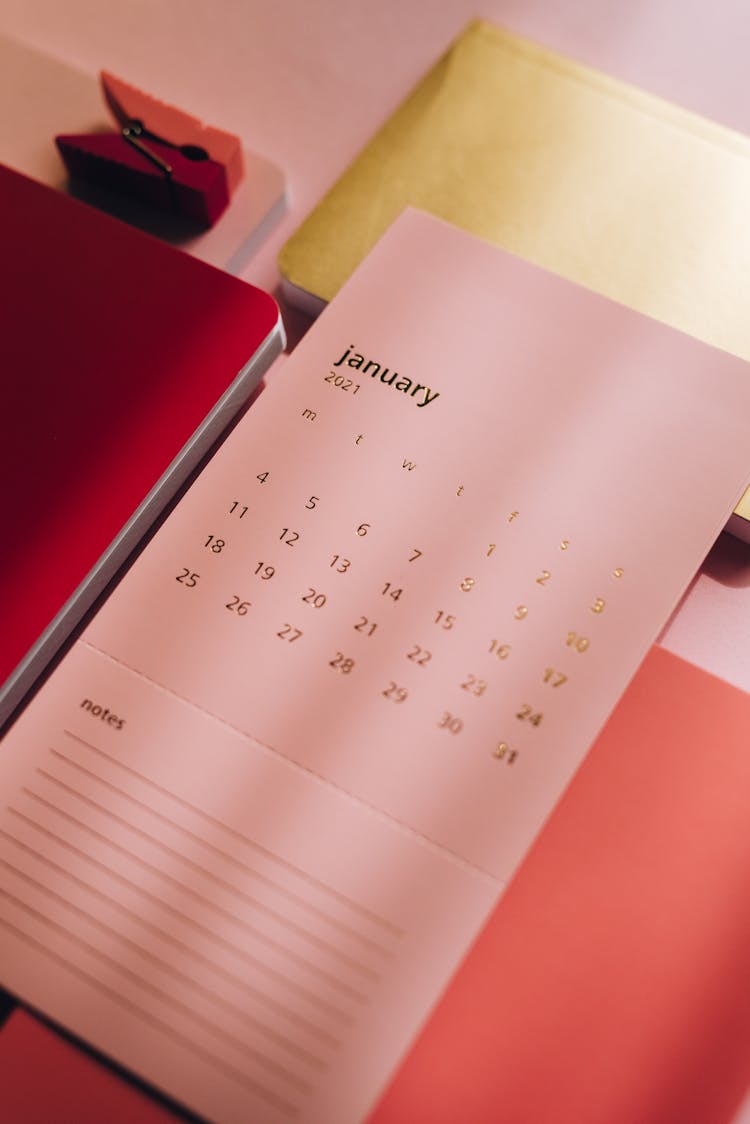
(288,768)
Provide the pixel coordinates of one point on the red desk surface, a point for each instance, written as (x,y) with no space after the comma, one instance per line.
(44,1078)
(611,984)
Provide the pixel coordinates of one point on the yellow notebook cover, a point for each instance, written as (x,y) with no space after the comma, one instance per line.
(590,178)
(582,174)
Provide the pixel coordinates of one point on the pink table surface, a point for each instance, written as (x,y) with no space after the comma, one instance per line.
(306,84)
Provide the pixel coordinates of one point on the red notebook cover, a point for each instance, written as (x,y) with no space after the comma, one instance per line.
(114,348)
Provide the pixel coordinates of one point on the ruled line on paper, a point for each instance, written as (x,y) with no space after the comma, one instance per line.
(283,891)
(238,1012)
(357,907)
(218,1032)
(293,927)
(271,942)
(147,1017)
(325,783)
(238,951)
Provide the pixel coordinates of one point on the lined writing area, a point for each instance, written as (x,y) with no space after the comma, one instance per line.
(68,813)
(191,940)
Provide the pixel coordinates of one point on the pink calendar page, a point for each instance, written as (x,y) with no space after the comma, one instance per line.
(254,820)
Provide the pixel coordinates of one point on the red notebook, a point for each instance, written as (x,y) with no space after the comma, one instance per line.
(123,362)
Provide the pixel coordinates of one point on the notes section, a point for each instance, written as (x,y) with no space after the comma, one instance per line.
(210,915)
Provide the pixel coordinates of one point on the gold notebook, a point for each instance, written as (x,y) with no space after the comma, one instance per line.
(584,175)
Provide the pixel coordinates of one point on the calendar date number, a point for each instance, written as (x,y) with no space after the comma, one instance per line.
(451,723)
(238,606)
(473,685)
(527,714)
(289,633)
(503,752)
